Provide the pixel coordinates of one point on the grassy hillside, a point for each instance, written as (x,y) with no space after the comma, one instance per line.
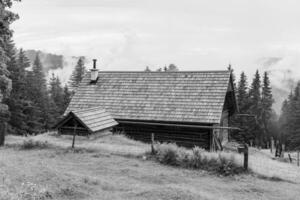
(113,168)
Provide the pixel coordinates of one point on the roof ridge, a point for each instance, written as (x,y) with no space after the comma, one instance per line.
(88,109)
(203,71)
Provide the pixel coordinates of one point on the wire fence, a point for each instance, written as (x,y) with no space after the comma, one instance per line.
(263,163)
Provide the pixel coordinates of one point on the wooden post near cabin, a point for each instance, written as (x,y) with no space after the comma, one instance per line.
(298,158)
(74,134)
(3,129)
(272,145)
(290,158)
(245,151)
(152,144)
(282,151)
(246,157)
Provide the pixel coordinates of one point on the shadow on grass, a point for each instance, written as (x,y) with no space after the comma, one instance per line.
(274,179)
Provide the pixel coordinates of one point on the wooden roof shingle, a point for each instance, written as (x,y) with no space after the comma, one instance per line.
(94,118)
(183,96)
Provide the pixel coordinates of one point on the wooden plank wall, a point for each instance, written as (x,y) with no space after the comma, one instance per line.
(68,128)
(182,136)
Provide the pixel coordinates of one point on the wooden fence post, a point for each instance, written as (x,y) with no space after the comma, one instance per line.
(272,144)
(246,157)
(282,151)
(290,158)
(3,129)
(152,144)
(74,134)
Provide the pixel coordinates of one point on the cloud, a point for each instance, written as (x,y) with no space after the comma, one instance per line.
(193,34)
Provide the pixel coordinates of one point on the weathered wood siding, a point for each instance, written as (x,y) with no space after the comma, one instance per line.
(68,128)
(224,132)
(182,136)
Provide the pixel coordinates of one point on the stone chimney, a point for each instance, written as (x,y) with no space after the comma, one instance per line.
(94,72)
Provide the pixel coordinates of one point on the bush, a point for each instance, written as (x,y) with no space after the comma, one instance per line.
(31,144)
(197,158)
(167,154)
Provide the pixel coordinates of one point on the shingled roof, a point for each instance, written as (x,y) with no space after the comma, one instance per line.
(196,96)
(94,119)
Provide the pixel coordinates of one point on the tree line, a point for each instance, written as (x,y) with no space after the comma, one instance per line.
(29,103)
(289,121)
(255,118)
(258,121)
(35,103)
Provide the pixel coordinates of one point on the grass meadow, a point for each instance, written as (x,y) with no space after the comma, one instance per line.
(114,167)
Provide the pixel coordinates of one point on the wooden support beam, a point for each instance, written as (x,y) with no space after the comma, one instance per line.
(178,125)
(74,134)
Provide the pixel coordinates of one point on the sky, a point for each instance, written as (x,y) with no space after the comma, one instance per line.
(192,34)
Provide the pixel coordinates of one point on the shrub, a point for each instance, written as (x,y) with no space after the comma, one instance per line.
(197,158)
(228,165)
(31,144)
(167,154)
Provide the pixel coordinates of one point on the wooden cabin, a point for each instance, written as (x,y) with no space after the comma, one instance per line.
(85,122)
(186,107)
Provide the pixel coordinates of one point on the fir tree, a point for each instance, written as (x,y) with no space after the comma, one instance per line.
(294,117)
(285,120)
(242,119)
(17,102)
(255,107)
(6,18)
(242,94)
(67,98)
(232,76)
(57,93)
(39,94)
(147,69)
(266,105)
(172,68)
(33,112)
(77,74)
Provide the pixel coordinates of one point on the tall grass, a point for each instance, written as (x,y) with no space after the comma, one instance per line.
(197,158)
(31,144)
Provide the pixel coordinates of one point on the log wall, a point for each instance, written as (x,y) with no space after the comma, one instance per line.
(182,136)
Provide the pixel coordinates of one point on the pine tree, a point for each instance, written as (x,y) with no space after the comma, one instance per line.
(285,120)
(242,119)
(294,123)
(33,112)
(38,94)
(147,69)
(16,102)
(172,68)
(6,18)
(255,107)
(242,94)
(233,76)
(239,120)
(57,93)
(266,105)
(67,98)
(77,74)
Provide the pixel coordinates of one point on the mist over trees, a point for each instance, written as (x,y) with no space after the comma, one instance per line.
(77,74)
(31,104)
(27,104)
(256,117)
(290,120)
(35,105)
